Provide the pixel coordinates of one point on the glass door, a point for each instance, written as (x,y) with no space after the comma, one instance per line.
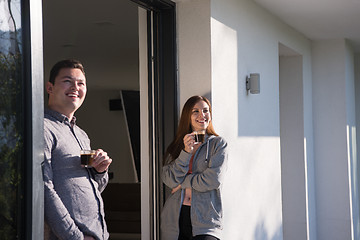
(21,120)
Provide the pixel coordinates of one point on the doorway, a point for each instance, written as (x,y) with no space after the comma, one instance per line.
(106,39)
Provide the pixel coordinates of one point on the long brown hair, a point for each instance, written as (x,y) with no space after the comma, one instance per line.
(175,147)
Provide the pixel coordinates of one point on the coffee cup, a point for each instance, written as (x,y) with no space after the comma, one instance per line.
(87,157)
(200,136)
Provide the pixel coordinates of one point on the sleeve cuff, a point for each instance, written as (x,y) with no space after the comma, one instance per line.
(99,173)
(184,158)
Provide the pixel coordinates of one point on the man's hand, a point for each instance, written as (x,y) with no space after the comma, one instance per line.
(101,161)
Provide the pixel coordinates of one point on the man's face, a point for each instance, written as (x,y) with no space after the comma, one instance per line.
(68,92)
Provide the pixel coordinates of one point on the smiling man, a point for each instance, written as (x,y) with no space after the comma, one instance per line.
(74,208)
(67,90)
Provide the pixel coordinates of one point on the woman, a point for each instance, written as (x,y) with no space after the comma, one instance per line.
(194,171)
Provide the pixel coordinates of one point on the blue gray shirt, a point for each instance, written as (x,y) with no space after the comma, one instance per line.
(73,203)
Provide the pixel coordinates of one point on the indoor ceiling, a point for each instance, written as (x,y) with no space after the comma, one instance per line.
(102,35)
(319,19)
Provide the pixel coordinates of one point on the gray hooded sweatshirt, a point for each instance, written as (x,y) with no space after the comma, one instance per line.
(206,179)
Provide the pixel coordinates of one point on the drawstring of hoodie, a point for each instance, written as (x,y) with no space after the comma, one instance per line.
(207,150)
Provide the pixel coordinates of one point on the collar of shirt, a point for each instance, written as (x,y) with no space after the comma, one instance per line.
(60,117)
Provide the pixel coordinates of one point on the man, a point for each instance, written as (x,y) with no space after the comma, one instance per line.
(74,208)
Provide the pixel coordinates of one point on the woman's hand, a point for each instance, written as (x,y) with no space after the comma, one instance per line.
(101,161)
(189,142)
(175,189)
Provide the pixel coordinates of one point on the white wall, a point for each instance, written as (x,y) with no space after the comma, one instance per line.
(334,121)
(193,37)
(351,139)
(244,39)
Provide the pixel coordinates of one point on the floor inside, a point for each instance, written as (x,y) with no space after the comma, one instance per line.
(123,210)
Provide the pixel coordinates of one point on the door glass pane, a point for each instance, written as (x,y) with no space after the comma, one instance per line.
(11,120)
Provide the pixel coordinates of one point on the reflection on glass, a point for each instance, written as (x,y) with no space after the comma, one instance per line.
(11,120)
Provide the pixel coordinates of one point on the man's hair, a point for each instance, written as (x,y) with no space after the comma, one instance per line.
(67,63)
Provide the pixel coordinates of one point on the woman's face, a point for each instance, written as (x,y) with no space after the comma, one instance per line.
(200,116)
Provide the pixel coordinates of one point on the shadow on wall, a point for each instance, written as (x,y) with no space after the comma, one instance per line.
(262,234)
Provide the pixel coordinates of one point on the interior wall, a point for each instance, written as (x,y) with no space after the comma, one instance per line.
(105,40)
(107,130)
(244,40)
(110,135)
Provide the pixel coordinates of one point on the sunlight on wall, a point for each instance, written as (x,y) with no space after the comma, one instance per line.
(252,203)
(224,68)
(306,190)
(353,181)
(357,106)
(252,188)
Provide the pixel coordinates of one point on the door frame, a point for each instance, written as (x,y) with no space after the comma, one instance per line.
(162,87)
(32,33)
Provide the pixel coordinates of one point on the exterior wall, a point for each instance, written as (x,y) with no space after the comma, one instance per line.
(351,140)
(357,110)
(334,120)
(193,33)
(245,39)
